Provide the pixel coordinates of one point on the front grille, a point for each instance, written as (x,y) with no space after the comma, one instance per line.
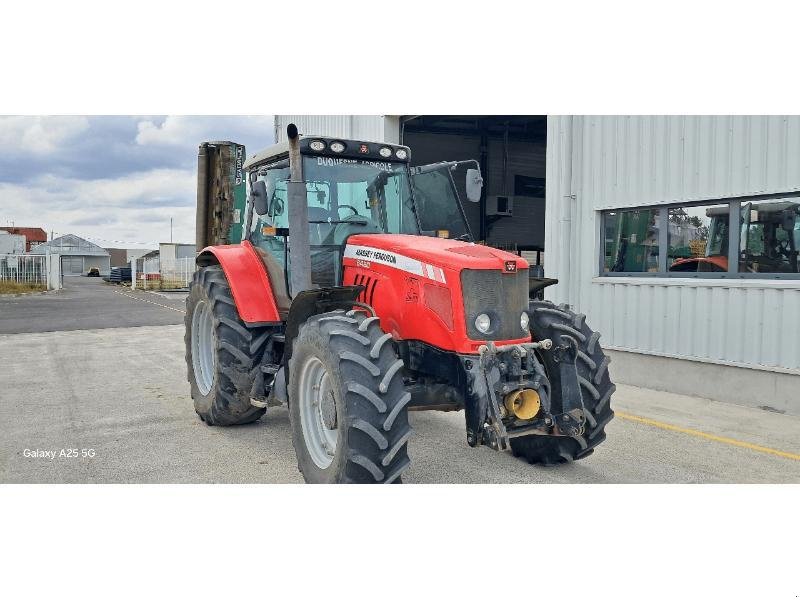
(502,296)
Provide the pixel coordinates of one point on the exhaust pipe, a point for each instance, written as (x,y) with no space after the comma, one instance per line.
(201,216)
(523,404)
(299,241)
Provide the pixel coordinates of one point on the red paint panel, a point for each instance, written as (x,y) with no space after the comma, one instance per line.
(413,306)
(249,283)
(441,252)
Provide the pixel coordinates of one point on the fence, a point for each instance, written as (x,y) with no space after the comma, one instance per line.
(24,269)
(163,274)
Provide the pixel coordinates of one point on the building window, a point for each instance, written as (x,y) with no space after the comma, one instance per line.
(697,238)
(741,237)
(631,241)
(769,237)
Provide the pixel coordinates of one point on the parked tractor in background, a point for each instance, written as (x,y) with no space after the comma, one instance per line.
(769,234)
(338,305)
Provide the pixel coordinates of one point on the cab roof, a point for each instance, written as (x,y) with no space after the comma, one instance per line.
(354,149)
(267,154)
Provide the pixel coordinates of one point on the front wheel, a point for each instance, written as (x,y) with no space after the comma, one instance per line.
(347,401)
(549,321)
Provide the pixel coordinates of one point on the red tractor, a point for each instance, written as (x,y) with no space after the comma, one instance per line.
(340,306)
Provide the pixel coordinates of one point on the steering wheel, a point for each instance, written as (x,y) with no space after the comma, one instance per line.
(353,208)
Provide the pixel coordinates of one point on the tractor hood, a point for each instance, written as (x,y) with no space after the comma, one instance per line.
(447,254)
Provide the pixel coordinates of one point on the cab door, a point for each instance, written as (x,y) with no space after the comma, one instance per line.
(438,203)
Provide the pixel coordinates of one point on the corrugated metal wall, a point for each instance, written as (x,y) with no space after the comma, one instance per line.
(369,128)
(594,163)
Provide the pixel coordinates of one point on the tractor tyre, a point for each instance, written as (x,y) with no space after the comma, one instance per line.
(347,401)
(223,354)
(548,321)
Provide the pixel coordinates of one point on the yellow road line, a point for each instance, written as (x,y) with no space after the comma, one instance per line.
(708,436)
(149,302)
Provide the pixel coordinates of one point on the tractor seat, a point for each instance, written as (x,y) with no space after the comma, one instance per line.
(277,281)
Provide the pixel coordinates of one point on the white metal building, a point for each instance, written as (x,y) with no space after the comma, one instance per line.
(76,255)
(11,243)
(678,236)
(173,251)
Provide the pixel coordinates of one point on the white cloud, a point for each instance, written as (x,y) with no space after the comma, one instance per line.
(173,131)
(39,135)
(180,130)
(149,187)
(133,208)
(150,176)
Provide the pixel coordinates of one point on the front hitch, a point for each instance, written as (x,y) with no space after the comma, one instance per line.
(570,421)
(498,371)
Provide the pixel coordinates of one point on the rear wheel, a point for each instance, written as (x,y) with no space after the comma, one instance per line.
(223,354)
(549,321)
(347,401)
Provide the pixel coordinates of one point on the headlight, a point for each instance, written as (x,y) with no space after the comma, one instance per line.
(401,154)
(337,147)
(524,321)
(385,152)
(317,145)
(483,322)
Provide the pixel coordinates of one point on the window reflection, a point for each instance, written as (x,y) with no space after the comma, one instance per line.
(698,239)
(769,237)
(631,241)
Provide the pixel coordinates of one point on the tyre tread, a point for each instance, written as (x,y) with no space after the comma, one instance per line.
(374,397)
(557,323)
(243,345)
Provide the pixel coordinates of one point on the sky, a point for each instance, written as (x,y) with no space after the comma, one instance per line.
(114,180)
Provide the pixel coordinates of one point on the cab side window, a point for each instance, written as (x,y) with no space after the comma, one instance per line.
(262,226)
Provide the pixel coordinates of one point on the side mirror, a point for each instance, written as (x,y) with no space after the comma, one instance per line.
(258,193)
(474,185)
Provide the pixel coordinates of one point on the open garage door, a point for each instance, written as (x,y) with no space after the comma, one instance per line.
(511,151)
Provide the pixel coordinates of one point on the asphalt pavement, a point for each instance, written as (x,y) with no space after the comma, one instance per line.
(88,303)
(121,395)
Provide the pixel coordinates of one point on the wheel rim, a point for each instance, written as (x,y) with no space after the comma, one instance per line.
(318,412)
(203,343)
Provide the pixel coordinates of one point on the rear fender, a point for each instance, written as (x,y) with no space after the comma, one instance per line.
(250,286)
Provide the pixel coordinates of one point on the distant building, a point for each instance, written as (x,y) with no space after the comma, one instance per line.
(137,253)
(150,254)
(121,257)
(77,255)
(11,243)
(170,251)
(33,235)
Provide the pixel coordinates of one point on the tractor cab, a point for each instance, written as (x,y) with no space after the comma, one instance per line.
(351,188)
(769,237)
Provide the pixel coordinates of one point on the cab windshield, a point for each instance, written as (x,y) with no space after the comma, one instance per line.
(352,195)
(345,197)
